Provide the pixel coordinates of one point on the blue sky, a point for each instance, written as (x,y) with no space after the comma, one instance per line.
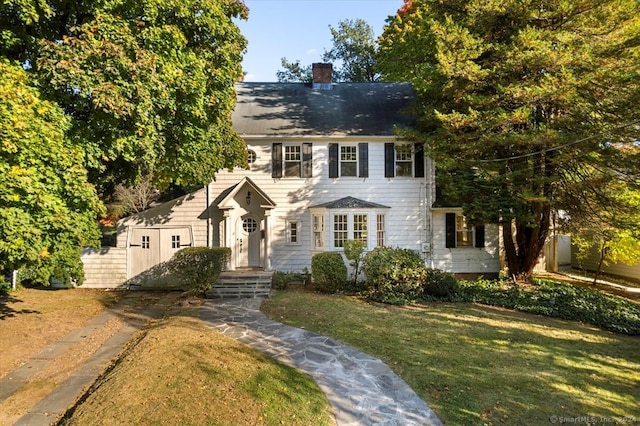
(299,30)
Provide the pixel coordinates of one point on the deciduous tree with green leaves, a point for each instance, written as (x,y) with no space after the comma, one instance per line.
(148,85)
(47,207)
(515,99)
(353,51)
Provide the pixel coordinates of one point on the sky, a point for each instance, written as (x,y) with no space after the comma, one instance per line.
(299,30)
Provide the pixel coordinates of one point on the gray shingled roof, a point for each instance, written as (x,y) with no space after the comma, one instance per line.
(349,203)
(295,109)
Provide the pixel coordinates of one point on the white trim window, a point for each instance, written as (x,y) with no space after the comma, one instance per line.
(318,231)
(404,159)
(340,230)
(360,226)
(292,160)
(380,230)
(460,232)
(293,235)
(349,160)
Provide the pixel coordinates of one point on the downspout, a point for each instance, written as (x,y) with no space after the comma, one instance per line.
(208,216)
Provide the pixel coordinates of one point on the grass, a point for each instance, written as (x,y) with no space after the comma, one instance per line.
(482,365)
(31,319)
(182,372)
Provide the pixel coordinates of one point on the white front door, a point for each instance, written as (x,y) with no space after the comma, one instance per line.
(248,242)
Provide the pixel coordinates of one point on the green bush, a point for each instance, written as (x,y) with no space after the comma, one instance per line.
(328,271)
(441,285)
(198,268)
(394,275)
(282,280)
(558,300)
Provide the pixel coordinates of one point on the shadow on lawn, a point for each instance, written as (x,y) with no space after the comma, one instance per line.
(528,368)
(6,308)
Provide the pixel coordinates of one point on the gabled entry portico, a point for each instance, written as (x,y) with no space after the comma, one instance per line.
(244,225)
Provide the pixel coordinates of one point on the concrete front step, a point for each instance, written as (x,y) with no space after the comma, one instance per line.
(245,284)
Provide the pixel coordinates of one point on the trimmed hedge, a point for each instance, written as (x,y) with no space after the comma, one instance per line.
(328,272)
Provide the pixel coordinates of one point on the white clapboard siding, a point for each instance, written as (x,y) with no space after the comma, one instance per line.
(188,211)
(405,220)
(464,260)
(104,268)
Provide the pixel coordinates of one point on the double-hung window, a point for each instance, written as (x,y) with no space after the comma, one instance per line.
(349,160)
(461,233)
(291,160)
(318,231)
(404,160)
(292,232)
(340,229)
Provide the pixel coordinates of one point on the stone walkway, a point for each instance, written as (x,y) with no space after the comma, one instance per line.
(361,389)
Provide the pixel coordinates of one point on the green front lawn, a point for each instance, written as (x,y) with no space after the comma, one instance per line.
(482,365)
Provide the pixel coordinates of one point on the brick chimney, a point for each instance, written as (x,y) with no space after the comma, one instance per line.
(321,75)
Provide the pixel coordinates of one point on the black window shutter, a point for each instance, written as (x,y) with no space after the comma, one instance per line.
(363,165)
(276,160)
(333,160)
(418,159)
(450,230)
(307,160)
(479,237)
(389,160)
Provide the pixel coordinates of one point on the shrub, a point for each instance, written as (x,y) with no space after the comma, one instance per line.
(353,251)
(441,285)
(198,268)
(394,275)
(282,280)
(558,300)
(328,271)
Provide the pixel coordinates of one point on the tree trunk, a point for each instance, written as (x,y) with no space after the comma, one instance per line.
(603,255)
(523,257)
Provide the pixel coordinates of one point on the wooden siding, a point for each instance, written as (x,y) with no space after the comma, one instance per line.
(464,260)
(405,219)
(618,269)
(104,268)
(187,211)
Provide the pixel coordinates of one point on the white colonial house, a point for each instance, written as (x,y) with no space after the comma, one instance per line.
(325,166)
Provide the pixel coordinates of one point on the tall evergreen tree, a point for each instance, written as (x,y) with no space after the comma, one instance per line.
(520,102)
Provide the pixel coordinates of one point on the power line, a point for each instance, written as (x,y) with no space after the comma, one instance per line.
(531,154)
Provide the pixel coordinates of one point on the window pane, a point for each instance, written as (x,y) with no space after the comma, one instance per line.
(318,231)
(340,230)
(360,227)
(348,169)
(292,169)
(293,232)
(464,233)
(380,230)
(403,169)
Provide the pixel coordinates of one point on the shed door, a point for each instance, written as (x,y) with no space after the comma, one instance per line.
(144,250)
(150,246)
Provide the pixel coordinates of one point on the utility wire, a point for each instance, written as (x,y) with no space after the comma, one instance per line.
(531,154)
